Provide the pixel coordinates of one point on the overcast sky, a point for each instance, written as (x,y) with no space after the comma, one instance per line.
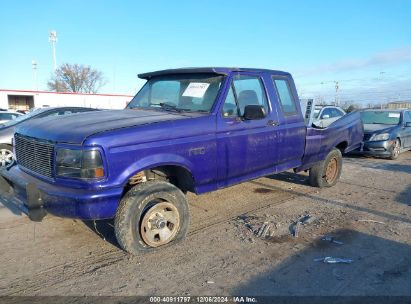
(364,45)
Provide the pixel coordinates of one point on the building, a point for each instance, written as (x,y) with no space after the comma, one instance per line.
(25,100)
(399,105)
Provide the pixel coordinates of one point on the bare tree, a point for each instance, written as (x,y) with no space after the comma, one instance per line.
(349,106)
(76,78)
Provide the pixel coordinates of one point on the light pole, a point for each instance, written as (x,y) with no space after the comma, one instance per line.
(34,66)
(53,40)
(381,88)
(337,88)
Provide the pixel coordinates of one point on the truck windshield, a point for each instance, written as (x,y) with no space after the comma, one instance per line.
(380,117)
(186,92)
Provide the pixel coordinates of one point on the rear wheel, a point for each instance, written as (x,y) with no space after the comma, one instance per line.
(152,214)
(395,149)
(328,172)
(6,156)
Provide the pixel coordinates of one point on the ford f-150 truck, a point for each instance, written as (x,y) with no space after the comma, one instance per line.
(195,129)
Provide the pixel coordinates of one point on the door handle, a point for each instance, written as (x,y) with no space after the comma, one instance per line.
(272,123)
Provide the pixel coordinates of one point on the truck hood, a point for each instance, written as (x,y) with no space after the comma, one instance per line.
(75,128)
(380,128)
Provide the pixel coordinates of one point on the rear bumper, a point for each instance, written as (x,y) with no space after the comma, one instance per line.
(37,198)
(376,148)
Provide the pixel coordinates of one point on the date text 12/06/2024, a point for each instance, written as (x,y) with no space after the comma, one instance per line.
(203,299)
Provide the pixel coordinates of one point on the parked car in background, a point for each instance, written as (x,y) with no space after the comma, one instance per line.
(386,132)
(326,115)
(8,115)
(7,129)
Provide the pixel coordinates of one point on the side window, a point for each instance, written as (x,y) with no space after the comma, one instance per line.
(408,116)
(286,98)
(47,114)
(339,113)
(249,91)
(335,113)
(327,113)
(230,106)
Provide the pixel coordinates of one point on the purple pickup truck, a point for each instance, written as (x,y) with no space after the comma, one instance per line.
(194,129)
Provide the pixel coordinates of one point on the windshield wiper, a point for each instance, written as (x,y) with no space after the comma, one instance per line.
(168,106)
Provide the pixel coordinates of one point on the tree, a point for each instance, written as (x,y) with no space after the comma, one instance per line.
(349,106)
(76,78)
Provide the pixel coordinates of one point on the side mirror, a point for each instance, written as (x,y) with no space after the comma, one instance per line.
(253,112)
(326,116)
(408,124)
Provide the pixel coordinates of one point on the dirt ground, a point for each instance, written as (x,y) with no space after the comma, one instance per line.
(369,211)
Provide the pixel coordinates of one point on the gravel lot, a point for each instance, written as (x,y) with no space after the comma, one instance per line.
(369,210)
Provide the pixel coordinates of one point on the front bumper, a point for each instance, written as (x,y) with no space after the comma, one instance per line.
(37,198)
(376,148)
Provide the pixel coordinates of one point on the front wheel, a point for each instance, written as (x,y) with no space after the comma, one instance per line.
(151,215)
(328,172)
(6,156)
(396,149)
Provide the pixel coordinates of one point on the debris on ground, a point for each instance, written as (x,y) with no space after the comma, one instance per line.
(263,230)
(331,239)
(372,221)
(305,220)
(296,228)
(252,227)
(332,260)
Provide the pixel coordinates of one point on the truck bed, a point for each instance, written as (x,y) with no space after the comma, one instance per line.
(345,134)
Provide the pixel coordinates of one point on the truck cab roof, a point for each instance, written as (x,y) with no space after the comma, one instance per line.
(212,70)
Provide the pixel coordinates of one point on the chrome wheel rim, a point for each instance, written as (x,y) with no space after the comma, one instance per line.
(6,158)
(160,224)
(396,148)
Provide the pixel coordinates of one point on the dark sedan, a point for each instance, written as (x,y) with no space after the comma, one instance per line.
(387,133)
(7,129)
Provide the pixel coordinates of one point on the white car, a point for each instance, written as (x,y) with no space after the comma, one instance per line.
(8,115)
(326,115)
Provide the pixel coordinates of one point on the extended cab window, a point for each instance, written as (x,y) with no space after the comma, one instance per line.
(249,90)
(286,98)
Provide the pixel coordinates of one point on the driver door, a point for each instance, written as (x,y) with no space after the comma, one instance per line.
(244,146)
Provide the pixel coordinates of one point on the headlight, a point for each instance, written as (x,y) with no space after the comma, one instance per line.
(382,136)
(83,164)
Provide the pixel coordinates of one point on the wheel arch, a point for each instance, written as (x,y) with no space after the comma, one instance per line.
(177,171)
(342,146)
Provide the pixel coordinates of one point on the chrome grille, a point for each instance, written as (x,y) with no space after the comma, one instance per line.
(34,154)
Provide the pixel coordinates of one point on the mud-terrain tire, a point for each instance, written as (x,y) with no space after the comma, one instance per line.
(395,150)
(328,172)
(152,214)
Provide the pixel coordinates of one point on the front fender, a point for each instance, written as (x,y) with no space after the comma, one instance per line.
(151,161)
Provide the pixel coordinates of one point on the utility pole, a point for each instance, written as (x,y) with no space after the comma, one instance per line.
(381,89)
(53,40)
(337,88)
(34,66)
